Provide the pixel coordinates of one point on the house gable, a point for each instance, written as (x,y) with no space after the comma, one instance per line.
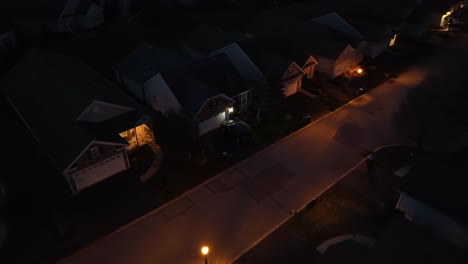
(348,54)
(160,96)
(242,63)
(88,154)
(213,107)
(292,72)
(99,111)
(310,62)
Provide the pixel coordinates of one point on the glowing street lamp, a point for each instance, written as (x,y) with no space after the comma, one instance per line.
(352,74)
(205,250)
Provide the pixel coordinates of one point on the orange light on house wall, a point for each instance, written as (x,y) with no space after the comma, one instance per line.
(359,70)
(392,41)
(443,20)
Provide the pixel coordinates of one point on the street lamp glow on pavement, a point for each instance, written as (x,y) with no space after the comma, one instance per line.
(205,250)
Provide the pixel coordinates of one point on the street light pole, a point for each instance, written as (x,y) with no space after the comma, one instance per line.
(204,251)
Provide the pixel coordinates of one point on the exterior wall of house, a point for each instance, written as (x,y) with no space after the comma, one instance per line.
(212,114)
(160,97)
(346,61)
(325,65)
(292,80)
(8,40)
(437,222)
(213,107)
(309,68)
(97,162)
(242,101)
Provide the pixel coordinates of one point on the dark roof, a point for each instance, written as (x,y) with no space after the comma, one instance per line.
(272,65)
(147,61)
(312,37)
(372,29)
(50,91)
(218,72)
(405,242)
(208,38)
(196,82)
(190,92)
(440,184)
(392,13)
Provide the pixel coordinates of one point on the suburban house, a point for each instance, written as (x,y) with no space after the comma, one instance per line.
(400,241)
(84,124)
(276,69)
(211,40)
(333,53)
(170,81)
(433,195)
(378,35)
(34,17)
(336,22)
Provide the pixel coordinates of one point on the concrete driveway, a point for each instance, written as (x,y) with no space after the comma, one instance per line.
(239,207)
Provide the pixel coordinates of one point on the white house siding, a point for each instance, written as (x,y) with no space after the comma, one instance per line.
(160,97)
(292,87)
(346,61)
(440,224)
(211,124)
(100,171)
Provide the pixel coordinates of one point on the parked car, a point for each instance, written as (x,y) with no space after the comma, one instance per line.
(237,130)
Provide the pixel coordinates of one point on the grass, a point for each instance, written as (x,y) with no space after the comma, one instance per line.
(338,211)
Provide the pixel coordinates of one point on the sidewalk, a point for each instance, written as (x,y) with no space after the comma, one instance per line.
(239,207)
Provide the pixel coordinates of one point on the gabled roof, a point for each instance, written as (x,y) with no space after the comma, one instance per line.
(313,37)
(190,92)
(272,65)
(50,91)
(439,184)
(208,38)
(147,61)
(218,72)
(336,22)
(372,29)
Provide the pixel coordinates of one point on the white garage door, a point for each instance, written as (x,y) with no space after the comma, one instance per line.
(99,172)
(211,124)
(290,88)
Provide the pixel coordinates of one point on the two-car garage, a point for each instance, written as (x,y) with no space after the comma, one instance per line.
(99,171)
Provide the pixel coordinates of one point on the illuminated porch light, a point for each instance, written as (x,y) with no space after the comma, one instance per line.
(231,110)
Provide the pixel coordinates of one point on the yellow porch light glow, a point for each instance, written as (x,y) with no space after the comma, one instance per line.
(359,70)
(442,20)
(205,250)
